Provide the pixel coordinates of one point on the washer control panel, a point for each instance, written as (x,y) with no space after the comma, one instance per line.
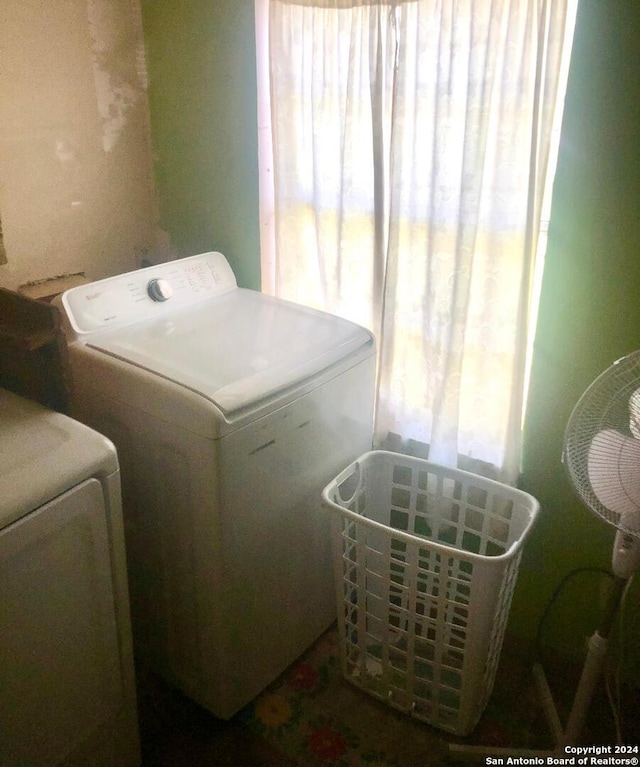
(159,289)
(147,293)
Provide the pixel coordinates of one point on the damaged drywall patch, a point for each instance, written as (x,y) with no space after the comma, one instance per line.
(119,65)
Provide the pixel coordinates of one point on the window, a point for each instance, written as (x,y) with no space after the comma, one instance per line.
(405,149)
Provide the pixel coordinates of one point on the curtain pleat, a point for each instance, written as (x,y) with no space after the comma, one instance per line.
(411,142)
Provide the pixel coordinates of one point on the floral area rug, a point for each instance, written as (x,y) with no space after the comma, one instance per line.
(317,719)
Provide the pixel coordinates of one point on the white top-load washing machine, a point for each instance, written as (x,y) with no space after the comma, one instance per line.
(67,691)
(230,410)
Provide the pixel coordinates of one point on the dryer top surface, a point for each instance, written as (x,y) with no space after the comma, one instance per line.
(43,454)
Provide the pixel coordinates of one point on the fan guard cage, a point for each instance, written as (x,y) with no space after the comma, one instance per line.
(608,403)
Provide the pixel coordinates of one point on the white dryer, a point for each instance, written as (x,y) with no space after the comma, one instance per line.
(230,410)
(67,692)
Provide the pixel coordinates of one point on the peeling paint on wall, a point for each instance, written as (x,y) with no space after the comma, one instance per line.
(116,93)
(76,168)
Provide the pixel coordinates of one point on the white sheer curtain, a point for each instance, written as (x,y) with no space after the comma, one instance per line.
(405,148)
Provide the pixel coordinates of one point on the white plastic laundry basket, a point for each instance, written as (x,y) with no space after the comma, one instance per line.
(426,559)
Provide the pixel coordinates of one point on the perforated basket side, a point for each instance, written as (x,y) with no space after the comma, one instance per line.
(433,502)
(421,621)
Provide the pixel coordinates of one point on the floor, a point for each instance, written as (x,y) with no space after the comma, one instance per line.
(175,732)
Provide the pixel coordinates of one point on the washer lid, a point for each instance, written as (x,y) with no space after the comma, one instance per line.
(236,349)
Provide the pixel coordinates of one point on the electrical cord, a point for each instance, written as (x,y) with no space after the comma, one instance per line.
(612,677)
(613,688)
(552,600)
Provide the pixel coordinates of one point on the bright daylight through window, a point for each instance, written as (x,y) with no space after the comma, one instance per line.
(407,150)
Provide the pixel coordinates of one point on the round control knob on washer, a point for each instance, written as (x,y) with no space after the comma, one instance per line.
(159,289)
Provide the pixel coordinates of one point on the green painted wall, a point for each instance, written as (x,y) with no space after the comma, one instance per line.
(589,313)
(202,94)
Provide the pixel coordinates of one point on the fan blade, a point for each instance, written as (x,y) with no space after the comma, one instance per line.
(614,473)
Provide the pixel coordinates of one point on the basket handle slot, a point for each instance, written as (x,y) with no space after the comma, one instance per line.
(350,481)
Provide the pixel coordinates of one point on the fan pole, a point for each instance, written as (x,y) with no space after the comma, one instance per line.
(593,665)
(591,671)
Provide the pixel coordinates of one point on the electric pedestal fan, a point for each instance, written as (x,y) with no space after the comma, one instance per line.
(602,456)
